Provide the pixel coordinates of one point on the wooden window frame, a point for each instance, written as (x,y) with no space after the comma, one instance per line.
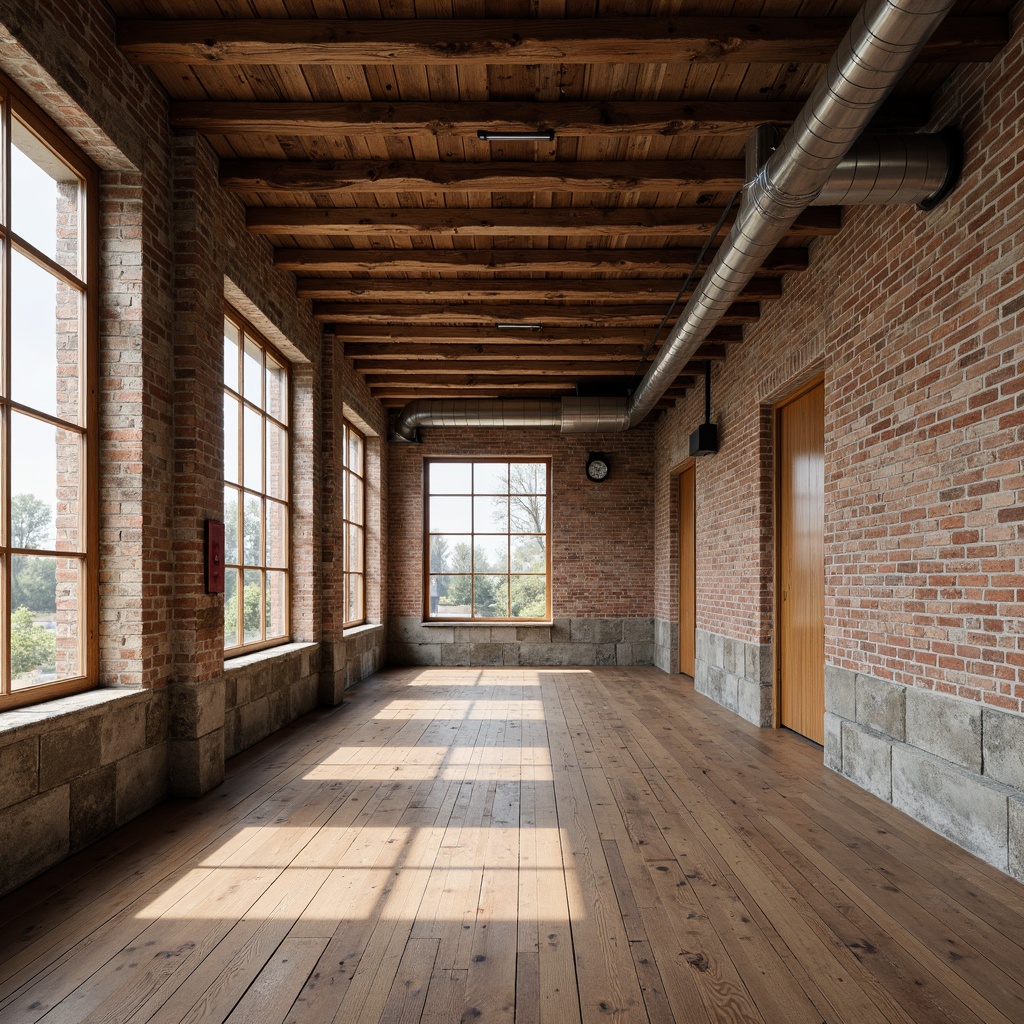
(246,330)
(15,102)
(428,616)
(351,477)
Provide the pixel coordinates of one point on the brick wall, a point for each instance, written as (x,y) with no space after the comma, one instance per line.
(601,547)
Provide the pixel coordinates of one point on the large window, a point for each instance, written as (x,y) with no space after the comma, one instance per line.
(48,634)
(487,540)
(354,515)
(256,490)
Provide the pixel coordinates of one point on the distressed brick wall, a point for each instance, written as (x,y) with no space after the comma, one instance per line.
(917,321)
(601,534)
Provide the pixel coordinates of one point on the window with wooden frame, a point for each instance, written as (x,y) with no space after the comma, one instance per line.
(487,540)
(257,488)
(354,517)
(48,410)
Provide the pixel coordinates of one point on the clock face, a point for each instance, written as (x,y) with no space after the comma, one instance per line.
(597,469)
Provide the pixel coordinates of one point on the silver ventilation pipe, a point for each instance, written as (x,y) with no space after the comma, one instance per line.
(807,167)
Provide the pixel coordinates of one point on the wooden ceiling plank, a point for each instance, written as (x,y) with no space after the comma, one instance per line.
(345,176)
(347,312)
(509,260)
(594,222)
(580,350)
(506,41)
(441,334)
(601,290)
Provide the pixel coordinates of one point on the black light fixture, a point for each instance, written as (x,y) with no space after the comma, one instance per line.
(538,136)
(704,440)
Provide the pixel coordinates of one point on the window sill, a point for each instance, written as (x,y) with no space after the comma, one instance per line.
(490,624)
(362,628)
(270,654)
(61,707)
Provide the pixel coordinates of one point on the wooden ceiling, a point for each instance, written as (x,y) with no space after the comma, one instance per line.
(349,130)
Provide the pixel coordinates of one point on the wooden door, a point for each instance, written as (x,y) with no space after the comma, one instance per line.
(687,572)
(801,563)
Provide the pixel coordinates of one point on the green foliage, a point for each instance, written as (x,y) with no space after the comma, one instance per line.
(251,601)
(30,522)
(32,647)
(33,578)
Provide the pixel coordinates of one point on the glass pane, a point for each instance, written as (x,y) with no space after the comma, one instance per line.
(277,604)
(45,484)
(231,608)
(354,548)
(231,439)
(357,608)
(490,597)
(252,373)
(45,319)
(277,535)
(277,461)
(354,455)
(231,340)
(252,450)
(450,553)
(490,515)
(45,205)
(490,478)
(490,554)
(450,477)
(44,620)
(529,597)
(451,515)
(450,596)
(251,533)
(230,526)
(528,513)
(354,509)
(528,554)
(528,478)
(252,606)
(277,389)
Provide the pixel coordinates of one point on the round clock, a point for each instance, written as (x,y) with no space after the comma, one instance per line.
(597,466)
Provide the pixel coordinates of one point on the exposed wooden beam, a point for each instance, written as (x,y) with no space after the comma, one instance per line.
(380,313)
(659,222)
(678,119)
(586,290)
(439,334)
(247,41)
(364,353)
(391,402)
(497,261)
(442,370)
(524,384)
(346,176)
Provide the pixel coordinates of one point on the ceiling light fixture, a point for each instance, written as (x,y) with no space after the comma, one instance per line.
(518,327)
(538,136)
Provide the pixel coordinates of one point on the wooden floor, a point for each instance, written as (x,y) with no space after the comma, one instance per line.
(538,846)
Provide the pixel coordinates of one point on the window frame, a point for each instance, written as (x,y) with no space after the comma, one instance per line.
(15,103)
(246,330)
(473,618)
(348,475)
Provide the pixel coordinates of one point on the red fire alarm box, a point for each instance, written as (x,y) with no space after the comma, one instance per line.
(214,556)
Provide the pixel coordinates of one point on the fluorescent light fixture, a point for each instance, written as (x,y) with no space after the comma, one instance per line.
(538,136)
(518,327)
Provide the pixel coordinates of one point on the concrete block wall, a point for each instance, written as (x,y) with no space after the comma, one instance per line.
(735,674)
(583,641)
(953,764)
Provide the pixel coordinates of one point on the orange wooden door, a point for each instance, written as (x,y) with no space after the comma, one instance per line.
(687,572)
(801,564)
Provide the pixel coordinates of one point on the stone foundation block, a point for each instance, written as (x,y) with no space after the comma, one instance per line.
(1015,835)
(141,782)
(19,770)
(841,692)
(945,726)
(1004,747)
(953,802)
(197,765)
(881,706)
(92,806)
(198,708)
(34,835)
(122,732)
(65,753)
(867,760)
(833,742)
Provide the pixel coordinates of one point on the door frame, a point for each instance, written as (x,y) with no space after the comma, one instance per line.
(677,472)
(818,378)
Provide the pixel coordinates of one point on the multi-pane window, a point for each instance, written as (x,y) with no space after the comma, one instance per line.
(487,539)
(256,490)
(47,410)
(354,515)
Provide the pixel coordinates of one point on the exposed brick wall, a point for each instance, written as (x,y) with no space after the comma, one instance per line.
(601,534)
(916,321)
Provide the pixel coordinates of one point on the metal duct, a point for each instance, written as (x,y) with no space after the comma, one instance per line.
(881,44)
